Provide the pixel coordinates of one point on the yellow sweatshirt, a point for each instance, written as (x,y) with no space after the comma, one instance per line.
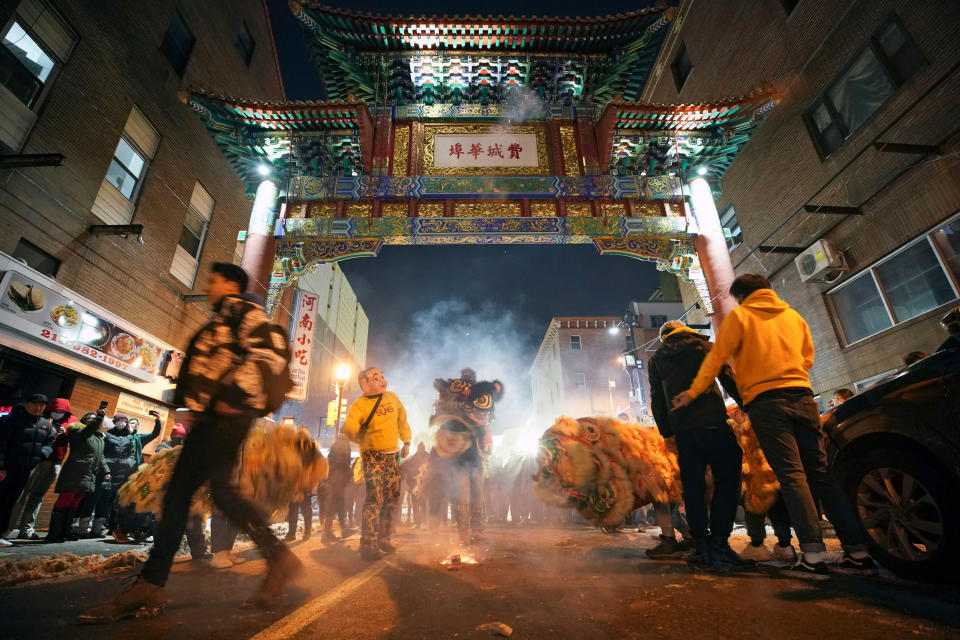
(386,427)
(770,344)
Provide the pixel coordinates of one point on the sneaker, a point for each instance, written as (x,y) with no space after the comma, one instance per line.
(327,537)
(864,566)
(756,552)
(120,536)
(724,555)
(668,548)
(814,570)
(702,557)
(687,544)
(280,572)
(5,543)
(221,560)
(784,553)
(139,599)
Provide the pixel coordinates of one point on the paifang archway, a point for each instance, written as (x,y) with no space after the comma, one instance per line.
(492,130)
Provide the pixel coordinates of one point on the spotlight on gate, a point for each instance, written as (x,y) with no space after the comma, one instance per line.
(701,171)
(263,169)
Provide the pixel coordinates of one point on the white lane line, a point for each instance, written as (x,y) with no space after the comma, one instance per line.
(295,622)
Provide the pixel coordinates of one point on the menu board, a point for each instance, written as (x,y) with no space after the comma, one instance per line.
(38,310)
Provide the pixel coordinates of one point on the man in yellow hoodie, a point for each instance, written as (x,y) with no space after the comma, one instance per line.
(376,422)
(772,350)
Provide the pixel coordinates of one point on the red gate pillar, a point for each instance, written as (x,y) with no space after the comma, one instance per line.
(712,251)
(587,141)
(260,246)
(382,142)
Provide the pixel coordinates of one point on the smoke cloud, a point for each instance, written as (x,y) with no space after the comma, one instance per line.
(451,335)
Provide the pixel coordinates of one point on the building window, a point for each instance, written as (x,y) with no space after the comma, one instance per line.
(581,380)
(681,66)
(731,228)
(24,64)
(575,343)
(36,258)
(178,43)
(196,221)
(886,63)
(245,44)
(126,169)
(657,321)
(917,278)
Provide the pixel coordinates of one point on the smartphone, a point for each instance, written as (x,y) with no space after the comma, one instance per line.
(103,405)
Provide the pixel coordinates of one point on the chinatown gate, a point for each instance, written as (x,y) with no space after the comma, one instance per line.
(483,130)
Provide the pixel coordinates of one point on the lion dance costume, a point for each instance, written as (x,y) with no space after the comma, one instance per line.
(277,466)
(604,468)
(463,413)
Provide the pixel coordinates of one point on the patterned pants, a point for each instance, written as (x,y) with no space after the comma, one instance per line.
(381,474)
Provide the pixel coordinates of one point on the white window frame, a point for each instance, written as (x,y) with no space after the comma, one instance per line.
(580,380)
(576,345)
(951,279)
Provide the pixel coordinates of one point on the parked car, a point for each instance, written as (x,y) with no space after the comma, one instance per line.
(896,447)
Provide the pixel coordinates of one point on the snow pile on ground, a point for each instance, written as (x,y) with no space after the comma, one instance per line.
(16,571)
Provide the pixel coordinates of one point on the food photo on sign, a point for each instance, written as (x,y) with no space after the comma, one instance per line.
(40,311)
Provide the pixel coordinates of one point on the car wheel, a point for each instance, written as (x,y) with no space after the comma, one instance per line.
(909,509)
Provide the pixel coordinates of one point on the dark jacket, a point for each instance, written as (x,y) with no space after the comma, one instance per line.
(25,440)
(671,370)
(953,342)
(121,448)
(140,440)
(236,358)
(86,461)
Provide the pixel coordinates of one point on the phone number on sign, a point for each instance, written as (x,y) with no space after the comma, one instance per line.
(87,351)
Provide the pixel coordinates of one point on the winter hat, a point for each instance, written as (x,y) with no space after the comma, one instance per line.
(60,404)
(178,431)
(119,417)
(669,327)
(37,397)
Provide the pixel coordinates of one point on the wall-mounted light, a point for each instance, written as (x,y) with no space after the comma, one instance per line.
(701,171)
(263,169)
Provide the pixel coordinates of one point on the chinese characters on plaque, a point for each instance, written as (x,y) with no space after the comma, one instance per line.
(485,150)
(302,346)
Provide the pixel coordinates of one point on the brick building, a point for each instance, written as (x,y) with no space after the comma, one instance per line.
(96,139)
(860,151)
(578,370)
(339,336)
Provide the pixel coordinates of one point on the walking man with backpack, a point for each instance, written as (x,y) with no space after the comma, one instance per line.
(235,370)
(376,422)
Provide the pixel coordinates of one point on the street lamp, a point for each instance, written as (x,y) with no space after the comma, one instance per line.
(612,385)
(341,374)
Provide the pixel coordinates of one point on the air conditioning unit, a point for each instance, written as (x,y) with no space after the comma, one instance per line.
(820,263)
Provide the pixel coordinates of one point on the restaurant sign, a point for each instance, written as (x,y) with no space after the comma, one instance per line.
(302,347)
(485,150)
(51,315)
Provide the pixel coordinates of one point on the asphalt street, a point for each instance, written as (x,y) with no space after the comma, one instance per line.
(541,583)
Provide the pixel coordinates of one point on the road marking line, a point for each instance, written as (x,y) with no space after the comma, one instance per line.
(295,622)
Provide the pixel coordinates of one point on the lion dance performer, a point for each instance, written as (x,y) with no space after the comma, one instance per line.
(464,412)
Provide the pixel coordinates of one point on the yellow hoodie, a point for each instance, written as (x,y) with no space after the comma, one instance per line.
(386,427)
(770,344)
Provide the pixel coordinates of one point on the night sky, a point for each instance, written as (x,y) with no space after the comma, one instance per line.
(535,283)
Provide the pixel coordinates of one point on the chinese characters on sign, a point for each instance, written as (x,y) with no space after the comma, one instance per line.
(485,150)
(302,346)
